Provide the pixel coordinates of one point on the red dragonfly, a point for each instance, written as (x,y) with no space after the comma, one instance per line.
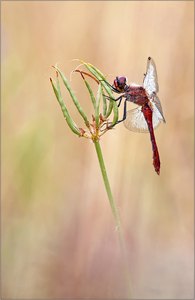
(149,114)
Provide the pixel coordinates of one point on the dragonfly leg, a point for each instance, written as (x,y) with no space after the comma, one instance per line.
(109,98)
(120,101)
(124,112)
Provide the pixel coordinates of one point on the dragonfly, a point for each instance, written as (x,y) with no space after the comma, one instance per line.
(148,115)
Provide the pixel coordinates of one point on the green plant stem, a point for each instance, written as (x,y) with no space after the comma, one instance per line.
(107,185)
(115,213)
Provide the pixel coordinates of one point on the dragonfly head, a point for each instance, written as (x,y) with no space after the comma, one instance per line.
(120,84)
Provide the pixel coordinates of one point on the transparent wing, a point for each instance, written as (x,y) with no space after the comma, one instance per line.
(136,122)
(150,80)
(157,108)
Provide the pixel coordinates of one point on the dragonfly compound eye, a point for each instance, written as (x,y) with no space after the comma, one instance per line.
(120,83)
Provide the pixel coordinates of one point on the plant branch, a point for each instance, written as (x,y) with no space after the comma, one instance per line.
(115,213)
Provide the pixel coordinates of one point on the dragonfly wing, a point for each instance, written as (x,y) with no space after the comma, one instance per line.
(135,120)
(157,108)
(151,80)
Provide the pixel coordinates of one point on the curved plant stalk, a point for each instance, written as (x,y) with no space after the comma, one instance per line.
(66,114)
(88,86)
(97,107)
(74,98)
(104,104)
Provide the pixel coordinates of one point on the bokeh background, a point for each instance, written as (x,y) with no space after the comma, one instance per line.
(58,234)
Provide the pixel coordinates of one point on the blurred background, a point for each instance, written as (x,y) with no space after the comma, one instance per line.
(58,233)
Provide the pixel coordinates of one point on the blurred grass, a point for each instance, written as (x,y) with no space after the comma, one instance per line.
(58,236)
